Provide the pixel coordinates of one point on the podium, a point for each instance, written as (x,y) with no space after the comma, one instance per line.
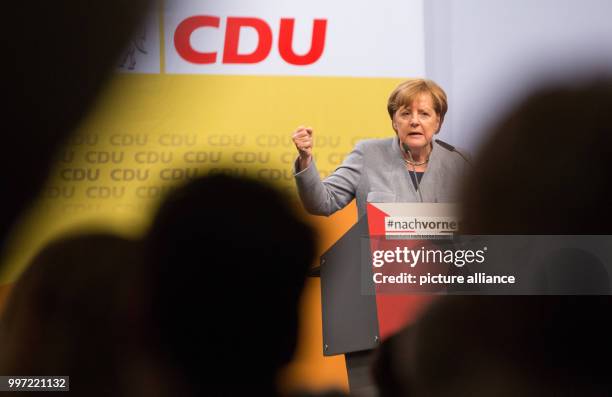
(353,313)
(359,312)
(350,321)
(355,317)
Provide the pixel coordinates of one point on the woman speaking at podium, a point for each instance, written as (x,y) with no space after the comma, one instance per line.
(408,167)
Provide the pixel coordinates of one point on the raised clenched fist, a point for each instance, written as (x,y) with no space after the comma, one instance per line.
(302,138)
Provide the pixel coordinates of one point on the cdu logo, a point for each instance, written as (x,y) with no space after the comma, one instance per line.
(264,40)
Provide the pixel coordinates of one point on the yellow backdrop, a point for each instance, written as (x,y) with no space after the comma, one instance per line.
(150,132)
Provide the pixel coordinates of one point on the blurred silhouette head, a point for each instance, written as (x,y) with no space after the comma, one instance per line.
(572,271)
(229,259)
(546,167)
(56,57)
(73,312)
(503,346)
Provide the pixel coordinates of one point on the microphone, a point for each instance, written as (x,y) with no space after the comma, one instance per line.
(451,148)
(416,178)
(445,145)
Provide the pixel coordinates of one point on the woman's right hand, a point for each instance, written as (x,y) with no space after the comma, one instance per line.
(302,138)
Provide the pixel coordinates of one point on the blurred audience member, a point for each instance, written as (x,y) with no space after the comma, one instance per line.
(502,346)
(56,58)
(229,259)
(545,169)
(77,311)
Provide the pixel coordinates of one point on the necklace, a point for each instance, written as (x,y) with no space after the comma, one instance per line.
(412,163)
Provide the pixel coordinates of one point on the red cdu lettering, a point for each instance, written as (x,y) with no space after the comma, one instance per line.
(285,40)
(232,37)
(182,37)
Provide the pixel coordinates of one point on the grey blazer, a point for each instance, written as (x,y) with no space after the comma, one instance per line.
(375,172)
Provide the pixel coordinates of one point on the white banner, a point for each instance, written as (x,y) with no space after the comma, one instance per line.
(278,37)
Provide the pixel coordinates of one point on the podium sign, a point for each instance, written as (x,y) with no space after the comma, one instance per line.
(401,237)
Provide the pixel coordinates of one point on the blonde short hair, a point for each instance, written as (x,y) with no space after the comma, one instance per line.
(405,93)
